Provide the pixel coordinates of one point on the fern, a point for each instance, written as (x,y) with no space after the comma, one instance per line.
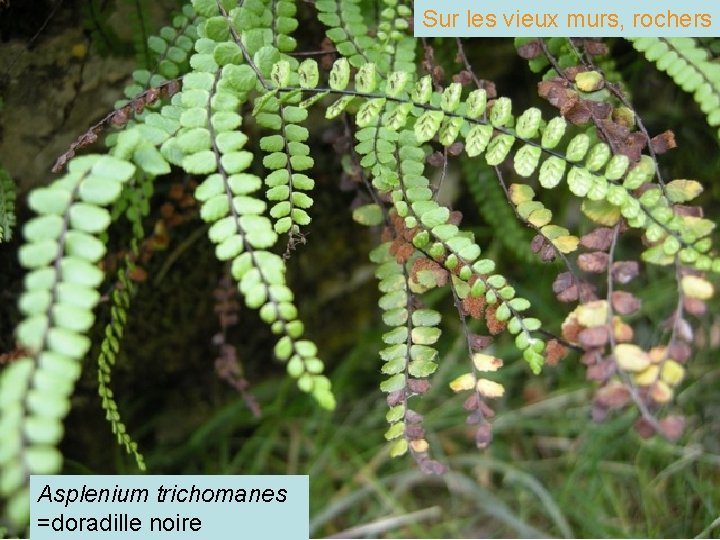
(409,356)
(134,203)
(170,51)
(690,67)
(109,349)
(239,230)
(346,28)
(7,206)
(287,156)
(242,68)
(590,171)
(61,248)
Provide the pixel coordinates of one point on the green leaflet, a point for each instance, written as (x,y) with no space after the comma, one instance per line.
(578,147)
(477,139)
(498,149)
(427,125)
(526,160)
(528,123)
(501,112)
(340,74)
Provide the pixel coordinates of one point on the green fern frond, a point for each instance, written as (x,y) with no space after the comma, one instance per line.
(492,204)
(208,144)
(62,246)
(171,49)
(61,249)
(287,156)
(409,356)
(136,206)
(689,65)
(346,28)
(109,349)
(7,205)
(591,172)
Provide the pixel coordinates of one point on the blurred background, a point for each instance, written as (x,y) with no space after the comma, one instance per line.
(550,471)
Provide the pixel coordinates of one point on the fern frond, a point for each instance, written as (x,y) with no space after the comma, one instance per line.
(136,206)
(109,349)
(409,356)
(287,156)
(208,144)
(396,165)
(170,49)
(591,172)
(472,276)
(689,65)
(57,306)
(62,246)
(395,44)
(7,205)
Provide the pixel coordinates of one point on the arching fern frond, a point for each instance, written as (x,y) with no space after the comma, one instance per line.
(61,248)
(690,67)
(208,144)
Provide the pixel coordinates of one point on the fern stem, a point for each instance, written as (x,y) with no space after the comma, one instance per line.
(240,44)
(627,380)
